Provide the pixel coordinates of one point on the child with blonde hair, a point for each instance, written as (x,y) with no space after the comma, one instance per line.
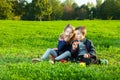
(64,44)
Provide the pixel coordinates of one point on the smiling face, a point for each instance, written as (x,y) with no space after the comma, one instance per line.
(68,32)
(79,35)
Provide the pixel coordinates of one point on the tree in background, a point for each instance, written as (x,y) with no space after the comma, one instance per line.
(18,8)
(117,10)
(110,9)
(75,8)
(57,9)
(83,12)
(38,10)
(68,10)
(5,10)
(90,10)
(96,10)
(41,8)
(29,13)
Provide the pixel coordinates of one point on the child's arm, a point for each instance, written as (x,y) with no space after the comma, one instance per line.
(74,49)
(91,49)
(75,45)
(61,45)
(63,42)
(55,48)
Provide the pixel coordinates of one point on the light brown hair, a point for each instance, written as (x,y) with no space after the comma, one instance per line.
(82,29)
(62,35)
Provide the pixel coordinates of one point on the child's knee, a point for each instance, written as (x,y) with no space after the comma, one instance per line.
(49,49)
(68,53)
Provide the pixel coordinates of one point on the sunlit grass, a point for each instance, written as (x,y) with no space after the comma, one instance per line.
(20,41)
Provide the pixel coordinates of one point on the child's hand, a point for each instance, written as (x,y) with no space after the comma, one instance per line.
(75,45)
(86,55)
(60,39)
(66,38)
(55,48)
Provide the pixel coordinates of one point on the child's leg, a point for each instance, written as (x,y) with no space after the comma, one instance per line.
(95,60)
(63,55)
(48,53)
(82,59)
(86,60)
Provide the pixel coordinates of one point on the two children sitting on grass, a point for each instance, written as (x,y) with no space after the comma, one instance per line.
(73,46)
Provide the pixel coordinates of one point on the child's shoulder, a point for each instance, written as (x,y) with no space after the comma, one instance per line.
(88,41)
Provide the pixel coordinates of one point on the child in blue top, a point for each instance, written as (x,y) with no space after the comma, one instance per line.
(64,44)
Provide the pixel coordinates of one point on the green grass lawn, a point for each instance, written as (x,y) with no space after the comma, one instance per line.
(20,41)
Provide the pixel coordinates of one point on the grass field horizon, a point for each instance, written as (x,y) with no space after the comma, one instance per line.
(20,41)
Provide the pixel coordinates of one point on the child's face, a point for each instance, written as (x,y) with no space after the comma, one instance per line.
(79,35)
(68,32)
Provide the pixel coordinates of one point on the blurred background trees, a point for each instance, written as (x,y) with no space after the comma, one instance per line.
(57,10)
(5,10)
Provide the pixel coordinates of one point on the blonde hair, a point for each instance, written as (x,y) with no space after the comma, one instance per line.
(63,34)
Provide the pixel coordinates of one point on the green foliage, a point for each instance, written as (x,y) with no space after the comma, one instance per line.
(5,10)
(41,8)
(19,7)
(110,9)
(20,41)
(99,2)
(68,2)
(57,9)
